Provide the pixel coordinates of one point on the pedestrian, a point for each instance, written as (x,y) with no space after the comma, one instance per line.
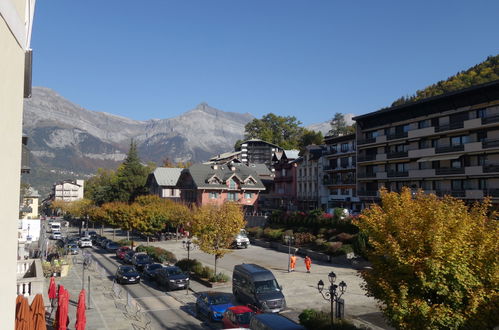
(308,263)
(292,263)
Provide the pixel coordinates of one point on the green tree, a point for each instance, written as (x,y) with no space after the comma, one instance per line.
(282,131)
(339,126)
(102,187)
(215,227)
(310,137)
(434,261)
(131,177)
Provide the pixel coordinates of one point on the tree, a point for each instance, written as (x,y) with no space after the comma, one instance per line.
(434,261)
(215,227)
(102,187)
(282,131)
(131,177)
(339,126)
(310,137)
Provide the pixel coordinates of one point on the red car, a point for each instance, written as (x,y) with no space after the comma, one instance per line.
(120,253)
(237,317)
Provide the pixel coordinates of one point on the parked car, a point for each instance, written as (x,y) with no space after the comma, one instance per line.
(256,285)
(151,270)
(71,248)
(270,321)
(120,252)
(127,274)
(241,240)
(98,239)
(56,235)
(104,242)
(85,242)
(112,246)
(128,257)
(213,304)
(237,317)
(172,278)
(140,260)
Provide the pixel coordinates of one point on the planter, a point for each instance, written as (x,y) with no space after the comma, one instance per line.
(64,270)
(209,284)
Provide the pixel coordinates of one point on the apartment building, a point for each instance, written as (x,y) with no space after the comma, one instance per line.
(255,151)
(68,190)
(308,180)
(339,162)
(283,192)
(447,145)
(163,182)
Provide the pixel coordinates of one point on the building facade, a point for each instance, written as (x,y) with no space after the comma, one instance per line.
(282,195)
(339,162)
(447,145)
(308,181)
(68,190)
(15,33)
(257,151)
(163,182)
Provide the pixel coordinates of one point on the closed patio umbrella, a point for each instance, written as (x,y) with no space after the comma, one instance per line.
(52,292)
(23,315)
(81,319)
(61,317)
(38,313)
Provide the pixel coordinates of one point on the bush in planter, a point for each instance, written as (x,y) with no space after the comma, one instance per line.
(273,234)
(207,272)
(157,254)
(345,238)
(220,277)
(304,238)
(124,242)
(256,232)
(189,264)
(318,320)
(332,247)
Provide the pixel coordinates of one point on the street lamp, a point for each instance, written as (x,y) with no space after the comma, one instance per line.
(334,295)
(187,246)
(288,239)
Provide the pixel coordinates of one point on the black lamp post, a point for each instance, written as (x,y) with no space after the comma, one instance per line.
(334,295)
(187,246)
(288,239)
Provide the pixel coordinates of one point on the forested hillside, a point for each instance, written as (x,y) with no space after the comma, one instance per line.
(481,73)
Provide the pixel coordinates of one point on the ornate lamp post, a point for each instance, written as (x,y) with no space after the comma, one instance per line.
(288,239)
(333,294)
(187,245)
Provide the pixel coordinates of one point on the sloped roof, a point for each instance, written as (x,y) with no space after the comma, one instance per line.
(291,154)
(261,169)
(167,176)
(200,174)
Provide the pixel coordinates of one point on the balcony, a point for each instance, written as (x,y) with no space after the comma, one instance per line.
(449,127)
(490,120)
(329,152)
(367,193)
(449,171)
(445,149)
(366,158)
(490,143)
(366,175)
(491,192)
(399,135)
(287,178)
(366,141)
(30,279)
(453,193)
(392,174)
(398,154)
(491,168)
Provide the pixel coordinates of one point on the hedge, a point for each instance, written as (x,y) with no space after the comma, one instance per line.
(158,254)
(201,271)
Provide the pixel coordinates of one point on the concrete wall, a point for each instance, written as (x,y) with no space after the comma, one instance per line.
(11,108)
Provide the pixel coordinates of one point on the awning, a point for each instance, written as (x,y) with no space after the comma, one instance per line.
(435,158)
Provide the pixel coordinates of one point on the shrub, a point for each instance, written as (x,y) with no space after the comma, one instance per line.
(345,238)
(188,264)
(360,244)
(332,247)
(220,277)
(320,242)
(256,232)
(207,272)
(304,238)
(157,254)
(124,242)
(317,320)
(273,234)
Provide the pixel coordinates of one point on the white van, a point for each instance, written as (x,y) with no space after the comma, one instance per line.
(55,227)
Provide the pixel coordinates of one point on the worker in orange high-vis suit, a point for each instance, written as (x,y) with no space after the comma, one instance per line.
(308,263)
(292,263)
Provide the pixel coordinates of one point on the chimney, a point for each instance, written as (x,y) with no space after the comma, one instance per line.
(215,166)
(233,168)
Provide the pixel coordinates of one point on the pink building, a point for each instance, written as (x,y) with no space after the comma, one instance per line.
(210,183)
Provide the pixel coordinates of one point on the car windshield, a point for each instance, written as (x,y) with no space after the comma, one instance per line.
(142,257)
(219,300)
(72,246)
(113,244)
(174,271)
(154,266)
(266,286)
(244,318)
(127,270)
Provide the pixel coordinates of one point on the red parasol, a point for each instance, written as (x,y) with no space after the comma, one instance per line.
(38,313)
(61,316)
(52,289)
(81,319)
(23,316)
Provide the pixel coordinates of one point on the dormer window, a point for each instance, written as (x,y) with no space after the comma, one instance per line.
(232,184)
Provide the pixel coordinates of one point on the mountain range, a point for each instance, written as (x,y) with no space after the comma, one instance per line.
(69,141)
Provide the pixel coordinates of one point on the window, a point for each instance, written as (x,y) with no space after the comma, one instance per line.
(232,184)
(344,162)
(344,147)
(213,195)
(481,160)
(248,195)
(401,167)
(456,163)
(482,183)
(459,140)
(423,144)
(232,196)
(345,191)
(457,184)
(481,136)
(371,134)
(480,113)
(434,143)
(334,147)
(423,124)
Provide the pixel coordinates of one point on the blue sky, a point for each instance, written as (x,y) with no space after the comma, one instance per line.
(159,58)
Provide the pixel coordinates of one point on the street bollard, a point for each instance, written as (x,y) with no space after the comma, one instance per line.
(88,305)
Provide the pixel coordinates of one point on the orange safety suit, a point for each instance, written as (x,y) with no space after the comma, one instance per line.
(292,262)
(308,263)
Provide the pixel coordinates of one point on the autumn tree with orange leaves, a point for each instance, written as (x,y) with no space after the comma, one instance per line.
(434,261)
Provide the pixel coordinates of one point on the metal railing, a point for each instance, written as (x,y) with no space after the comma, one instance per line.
(366,158)
(449,171)
(444,149)
(366,175)
(449,127)
(367,193)
(491,168)
(490,119)
(392,174)
(398,135)
(490,143)
(366,141)
(397,154)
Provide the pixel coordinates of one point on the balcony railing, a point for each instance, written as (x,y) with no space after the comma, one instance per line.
(366,158)
(392,174)
(287,178)
(329,152)
(30,279)
(490,120)
(329,168)
(449,171)
(338,182)
(441,150)
(491,192)
(399,135)
(449,127)
(366,141)
(366,175)
(453,193)
(490,168)
(368,193)
(397,154)
(490,143)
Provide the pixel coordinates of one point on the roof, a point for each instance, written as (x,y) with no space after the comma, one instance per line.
(261,169)
(248,178)
(225,155)
(31,192)
(342,138)
(241,309)
(469,96)
(167,176)
(276,321)
(262,141)
(291,154)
